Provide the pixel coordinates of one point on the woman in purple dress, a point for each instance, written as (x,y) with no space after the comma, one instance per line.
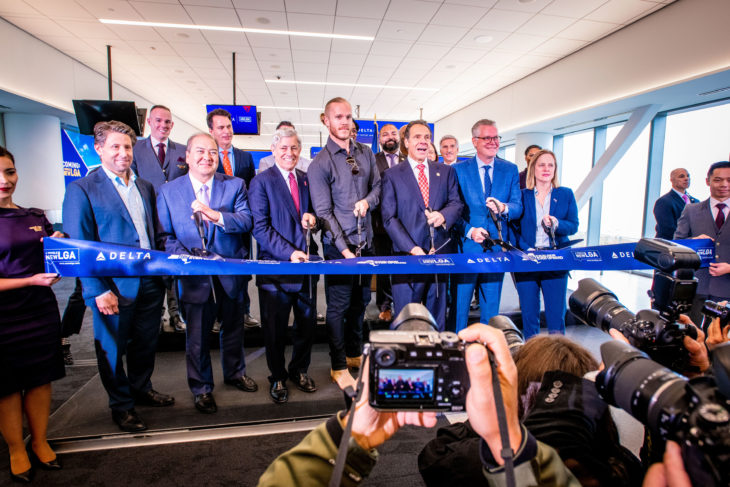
(30,329)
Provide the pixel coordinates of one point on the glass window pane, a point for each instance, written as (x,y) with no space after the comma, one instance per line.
(693,141)
(624,190)
(575,166)
(509,153)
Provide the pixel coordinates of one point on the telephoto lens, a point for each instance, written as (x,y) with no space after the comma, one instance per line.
(598,306)
(512,334)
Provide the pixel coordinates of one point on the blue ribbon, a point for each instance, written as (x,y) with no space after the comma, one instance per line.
(82,258)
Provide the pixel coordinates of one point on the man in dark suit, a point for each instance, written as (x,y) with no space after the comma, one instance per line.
(707,219)
(282,212)
(419,194)
(158,159)
(113,205)
(668,207)
(222,202)
(486,182)
(233,162)
(385,159)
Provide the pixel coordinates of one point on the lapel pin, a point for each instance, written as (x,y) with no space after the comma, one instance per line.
(438,174)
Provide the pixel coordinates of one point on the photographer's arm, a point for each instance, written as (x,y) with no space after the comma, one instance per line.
(535,463)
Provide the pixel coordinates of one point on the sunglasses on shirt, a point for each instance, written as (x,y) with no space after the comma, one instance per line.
(353,165)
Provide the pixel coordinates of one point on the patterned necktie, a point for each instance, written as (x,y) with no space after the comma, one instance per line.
(720,218)
(294,191)
(227,164)
(685,198)
(487,183)
(161,154)
(204,197)
(423,183)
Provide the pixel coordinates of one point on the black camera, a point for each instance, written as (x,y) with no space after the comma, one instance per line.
(695,413)
(416,367)
(654,331)
(714,310)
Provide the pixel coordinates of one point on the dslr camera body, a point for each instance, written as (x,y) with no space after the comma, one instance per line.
(415,367)
(655,331)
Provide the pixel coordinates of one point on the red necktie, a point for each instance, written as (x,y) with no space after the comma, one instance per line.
(294,191)
(720,218)
(161,154)
(423,183)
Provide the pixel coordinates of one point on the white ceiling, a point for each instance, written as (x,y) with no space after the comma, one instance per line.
(418,44)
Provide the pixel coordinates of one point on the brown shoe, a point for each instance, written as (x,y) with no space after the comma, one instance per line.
(342,378)
(354,362)
(386,315)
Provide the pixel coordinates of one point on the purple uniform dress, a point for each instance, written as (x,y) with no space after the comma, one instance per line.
(30,325)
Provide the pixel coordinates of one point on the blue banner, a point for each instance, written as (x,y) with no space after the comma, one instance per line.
(81,258)
(79,155)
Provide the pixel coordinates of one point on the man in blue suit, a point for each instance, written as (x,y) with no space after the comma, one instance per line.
(418,194)
(233,162)
(282,212)
(485,181)
(113,205)
(158,159)
(222,202)
(668,207)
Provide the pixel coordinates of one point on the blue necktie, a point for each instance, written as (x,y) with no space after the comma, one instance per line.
(487,183)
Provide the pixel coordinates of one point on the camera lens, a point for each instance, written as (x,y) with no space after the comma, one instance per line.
(385,357)
(598,306)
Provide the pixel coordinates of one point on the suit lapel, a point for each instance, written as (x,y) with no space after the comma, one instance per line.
(497,177)
(215,202)
(146,200)
(106,187)
(283,189)
(410,179)
(476,179)
(303,191)
(434,184)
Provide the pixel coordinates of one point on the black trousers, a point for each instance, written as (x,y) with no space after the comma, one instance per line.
(275,308)
(347,298)
(383,292)
(73,315)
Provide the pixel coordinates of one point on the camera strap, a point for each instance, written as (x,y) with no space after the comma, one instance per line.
(354,395)
(506,452)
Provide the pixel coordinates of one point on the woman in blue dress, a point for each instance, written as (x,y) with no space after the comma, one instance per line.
(547,207)
(30,330)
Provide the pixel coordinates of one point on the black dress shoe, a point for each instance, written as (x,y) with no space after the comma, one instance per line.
(205,403)
(304,382)
(153,398)
(128,420)
(245,383)
(54,464)
(23,477)
(279,392)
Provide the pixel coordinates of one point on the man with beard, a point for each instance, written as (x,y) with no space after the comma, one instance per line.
(390,156)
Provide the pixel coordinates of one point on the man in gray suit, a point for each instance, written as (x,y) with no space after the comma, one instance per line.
(268,161)
(706,219)
(158,159)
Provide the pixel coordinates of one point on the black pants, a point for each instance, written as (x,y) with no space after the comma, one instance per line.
(73,315)
(347,298)
(383,292)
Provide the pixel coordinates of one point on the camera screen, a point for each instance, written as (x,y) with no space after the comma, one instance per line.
(405,384)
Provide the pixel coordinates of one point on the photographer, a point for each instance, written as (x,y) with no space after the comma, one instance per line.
(311,461)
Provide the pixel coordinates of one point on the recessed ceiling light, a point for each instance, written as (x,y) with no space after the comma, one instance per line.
(237,29)
(483,39)
(263,20)
(354,85)
(183,35)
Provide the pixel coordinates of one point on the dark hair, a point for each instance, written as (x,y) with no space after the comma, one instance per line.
(102,129)
(218,112)
(6,153)
(544,353)
(407,132)
(155,107)
(718,165)
(357,125)
(284,123)
(530,147)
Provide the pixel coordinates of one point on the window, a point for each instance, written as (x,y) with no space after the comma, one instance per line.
(509,153)
(575,166)
(694,140)
(624,191)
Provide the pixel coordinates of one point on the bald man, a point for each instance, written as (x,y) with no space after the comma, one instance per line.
(668,208)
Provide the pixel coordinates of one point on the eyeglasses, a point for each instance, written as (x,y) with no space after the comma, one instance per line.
(494,139)
(353,165)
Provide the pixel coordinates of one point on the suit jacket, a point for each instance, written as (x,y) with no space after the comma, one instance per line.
(696,219)
(666,213)
(229,197)
(505,187)
(562,206)
(243,166)
(277,227)
(403,208)
(381,162)
(93,210)
(147,166)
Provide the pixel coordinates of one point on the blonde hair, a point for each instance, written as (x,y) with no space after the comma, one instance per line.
(530,179)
